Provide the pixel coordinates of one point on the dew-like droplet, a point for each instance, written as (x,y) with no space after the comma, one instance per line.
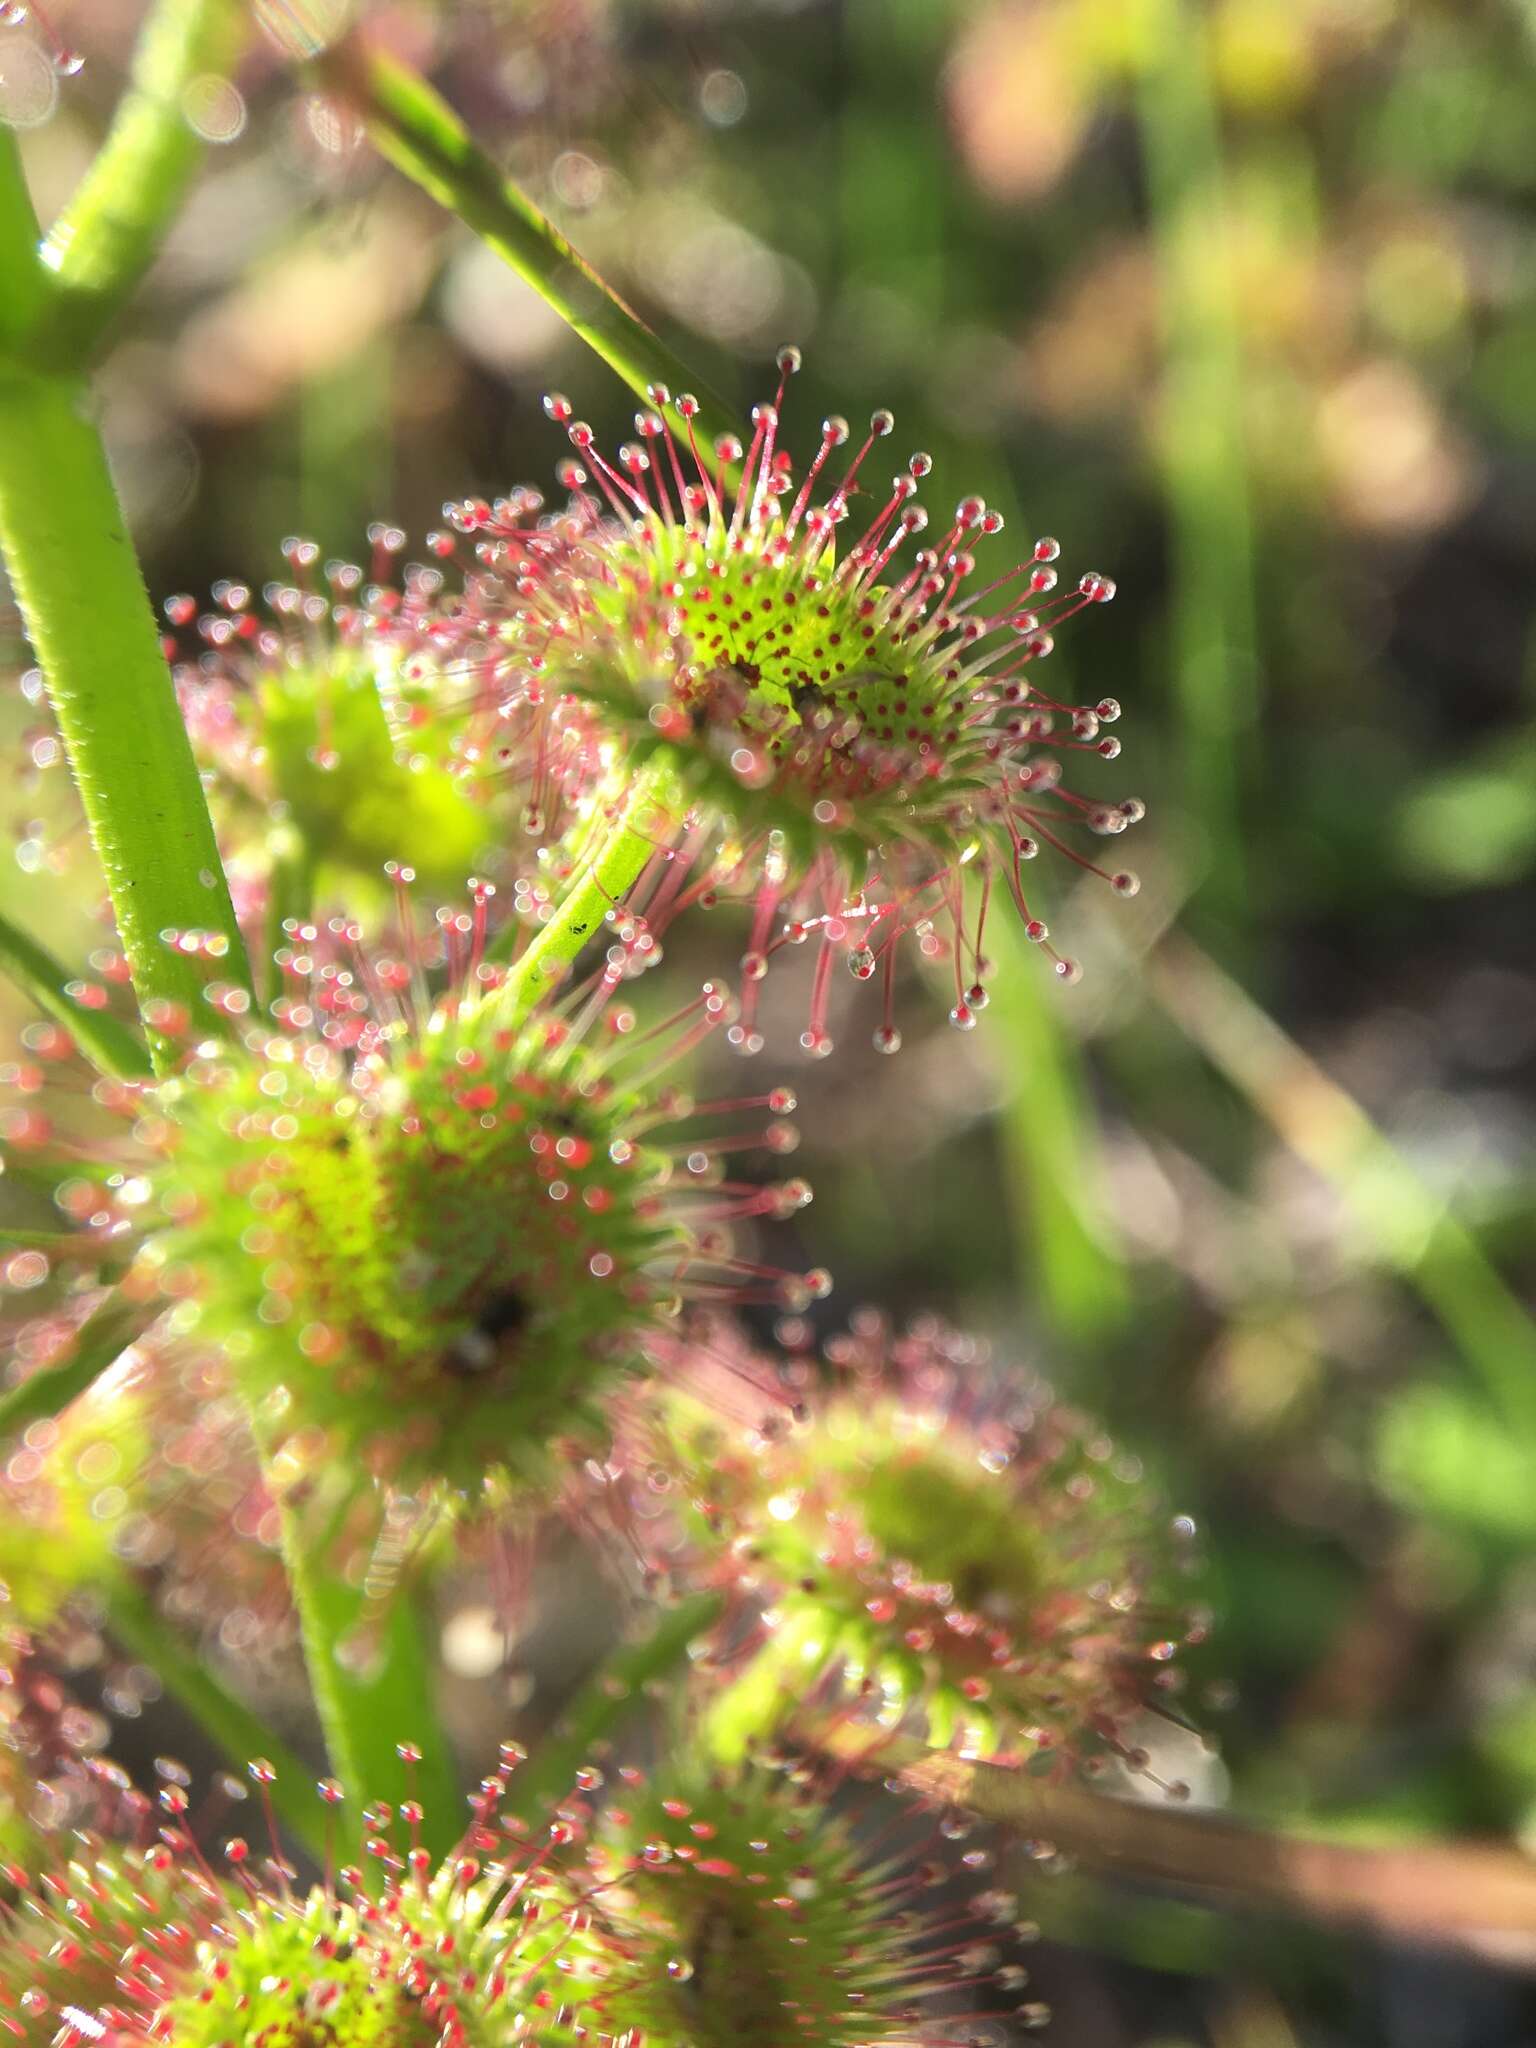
(29,84)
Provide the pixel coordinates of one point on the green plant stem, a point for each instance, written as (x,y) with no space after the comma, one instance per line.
(370,1673)
(421,135)
(89,619)
(603,880)
(104,1039)
(108,234)
(104,1335)
(549,1772)
(138,1628)
(20,270)
(1445,1892)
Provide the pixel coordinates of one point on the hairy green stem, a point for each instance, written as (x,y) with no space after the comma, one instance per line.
(89,620)
(104,1039)
(108,234)
(370,1672)
(137,1627)
(421,135)
(605,877)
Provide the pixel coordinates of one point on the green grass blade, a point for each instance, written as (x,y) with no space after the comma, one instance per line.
(1408,1224)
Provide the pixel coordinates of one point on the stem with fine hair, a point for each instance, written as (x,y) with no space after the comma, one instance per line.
(108,234)
(605,877)
(420,134)
(89,620)
(371,1677)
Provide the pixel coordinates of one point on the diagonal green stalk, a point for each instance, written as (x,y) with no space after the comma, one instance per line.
(104,1039)
(548,1775)
(138,1628)
(604,879)
(102,1338)
(108,234)
(420,134)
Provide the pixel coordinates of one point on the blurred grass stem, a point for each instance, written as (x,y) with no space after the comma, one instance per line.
(584,1727)
(1214,634)
(1051,1150)
(109,233)
(419,133)
(1327,1128)
(99,1342)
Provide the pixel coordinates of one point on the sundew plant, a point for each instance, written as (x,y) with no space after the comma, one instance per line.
(600,1593)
